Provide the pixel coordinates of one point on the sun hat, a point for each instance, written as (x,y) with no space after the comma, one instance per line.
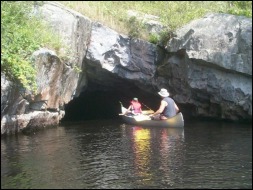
(164,93)
(135,99)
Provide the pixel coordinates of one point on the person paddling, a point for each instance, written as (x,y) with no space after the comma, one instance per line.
(168,108)
(135,107)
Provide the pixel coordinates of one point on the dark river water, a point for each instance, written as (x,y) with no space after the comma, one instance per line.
(109,154)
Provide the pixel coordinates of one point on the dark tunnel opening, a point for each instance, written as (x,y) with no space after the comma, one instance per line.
(102,96)
(94,104)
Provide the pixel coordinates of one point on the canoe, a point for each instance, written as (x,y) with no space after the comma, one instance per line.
(176,122)
(144,120)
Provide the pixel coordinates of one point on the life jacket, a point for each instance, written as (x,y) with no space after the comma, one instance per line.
(136,107)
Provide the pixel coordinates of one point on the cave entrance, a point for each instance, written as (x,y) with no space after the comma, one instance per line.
(99,102)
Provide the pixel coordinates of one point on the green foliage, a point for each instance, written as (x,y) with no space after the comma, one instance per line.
(162,38)
(21,35)
(78,70)
(134,27)
(240,8)
(15,44)
(165,36)
(154,38)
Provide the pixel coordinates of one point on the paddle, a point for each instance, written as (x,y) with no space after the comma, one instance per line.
(146,112)
(123,109)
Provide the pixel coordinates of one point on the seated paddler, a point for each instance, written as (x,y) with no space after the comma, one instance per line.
(134,108)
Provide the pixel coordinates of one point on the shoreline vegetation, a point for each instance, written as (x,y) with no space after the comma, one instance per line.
(22,33)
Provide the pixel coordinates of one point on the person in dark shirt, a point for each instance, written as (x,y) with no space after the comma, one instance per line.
(168,108)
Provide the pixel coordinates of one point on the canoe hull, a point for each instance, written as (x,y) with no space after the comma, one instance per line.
(174,122)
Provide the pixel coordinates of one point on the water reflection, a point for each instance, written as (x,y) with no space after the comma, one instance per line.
(157,153)
(141,148)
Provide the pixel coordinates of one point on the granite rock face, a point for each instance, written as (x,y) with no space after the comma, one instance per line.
(219,64)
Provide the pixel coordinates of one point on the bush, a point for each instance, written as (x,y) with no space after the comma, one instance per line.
(21,35)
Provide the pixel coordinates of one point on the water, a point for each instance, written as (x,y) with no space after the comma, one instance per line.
(110,154)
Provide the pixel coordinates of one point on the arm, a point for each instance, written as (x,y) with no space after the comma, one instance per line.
(161,108)
(129,108)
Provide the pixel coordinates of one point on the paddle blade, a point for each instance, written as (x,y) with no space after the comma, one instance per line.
(123,110)
(146,112)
